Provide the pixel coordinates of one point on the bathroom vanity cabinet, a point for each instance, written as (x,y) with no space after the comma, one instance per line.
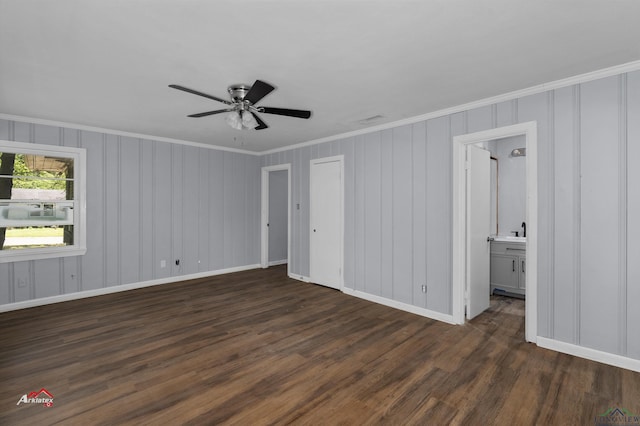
(508,266)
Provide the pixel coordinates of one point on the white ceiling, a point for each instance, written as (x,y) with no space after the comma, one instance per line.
(107,63)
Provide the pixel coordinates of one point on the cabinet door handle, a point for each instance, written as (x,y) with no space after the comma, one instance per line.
(513,265)
(523,266)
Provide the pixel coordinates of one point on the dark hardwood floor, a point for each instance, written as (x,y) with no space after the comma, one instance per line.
(256,348)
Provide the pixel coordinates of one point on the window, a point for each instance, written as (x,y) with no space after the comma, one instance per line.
(42,207)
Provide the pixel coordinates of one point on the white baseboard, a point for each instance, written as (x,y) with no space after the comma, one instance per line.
(115,289)
(278,262)
(591,354)
(388,302)
(400,305)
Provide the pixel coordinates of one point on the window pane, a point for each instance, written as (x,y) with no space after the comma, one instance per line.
(36,213)
(34,165)
(36,189)
(16,238)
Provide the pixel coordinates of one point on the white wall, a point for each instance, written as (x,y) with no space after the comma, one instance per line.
(147,201)
(398,227)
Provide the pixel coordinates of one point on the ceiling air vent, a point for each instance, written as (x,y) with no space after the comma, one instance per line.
(370,120)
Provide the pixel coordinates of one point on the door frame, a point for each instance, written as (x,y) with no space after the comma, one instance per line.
(340,160)
(459,274)
(264,221)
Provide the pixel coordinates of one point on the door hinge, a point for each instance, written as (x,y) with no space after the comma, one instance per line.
(467,165)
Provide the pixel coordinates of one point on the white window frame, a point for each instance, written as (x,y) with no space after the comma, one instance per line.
(79,247)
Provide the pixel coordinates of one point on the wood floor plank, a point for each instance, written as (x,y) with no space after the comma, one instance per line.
(256,347)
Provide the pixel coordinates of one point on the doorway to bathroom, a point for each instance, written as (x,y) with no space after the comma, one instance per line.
(471,233)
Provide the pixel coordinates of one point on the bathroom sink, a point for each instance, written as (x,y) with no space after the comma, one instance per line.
(509,239)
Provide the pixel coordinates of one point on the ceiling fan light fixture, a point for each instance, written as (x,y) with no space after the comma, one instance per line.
(242,109)
(248,121)
(233,119)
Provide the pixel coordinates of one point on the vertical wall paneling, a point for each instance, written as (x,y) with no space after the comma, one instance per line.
(129,210)
(633,212)
(4,129)
(296,176)
(177,207)
(228,167)
(439,215)
(479,119)
(216,214)
(6,283)
(191,212)
(622,212)
(599,215)
(564,325)
(536,108)
(386,214)
(351,217)
(402,215)
(252,179)
(203,209)
(577,217)
(303,214)
(550,211)
(360,213)
(23,132)
(505,113)
(372,208)
(146,210)
(22,281)
(419,213)
(46,274)
(46,135)
(112,201)
(163,205)
(93,265)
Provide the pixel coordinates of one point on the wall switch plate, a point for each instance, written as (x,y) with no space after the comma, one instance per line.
(424,288)
(22,282)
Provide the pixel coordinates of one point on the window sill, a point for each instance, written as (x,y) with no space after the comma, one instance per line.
(41,253)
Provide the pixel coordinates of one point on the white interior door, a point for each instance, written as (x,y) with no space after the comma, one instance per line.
(326,216)
(478,230)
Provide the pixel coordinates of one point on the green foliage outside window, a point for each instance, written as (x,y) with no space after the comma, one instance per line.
(47,180)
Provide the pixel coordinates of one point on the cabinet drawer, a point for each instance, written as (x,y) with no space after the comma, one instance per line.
(515,249)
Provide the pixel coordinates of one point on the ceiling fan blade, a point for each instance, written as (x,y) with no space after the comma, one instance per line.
(204,114)
(298,113)
(261,124)
(258,90)
(195,92)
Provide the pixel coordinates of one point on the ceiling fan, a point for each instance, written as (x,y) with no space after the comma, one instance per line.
(242,109)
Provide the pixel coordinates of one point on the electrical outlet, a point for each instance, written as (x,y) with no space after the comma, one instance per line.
(22,282)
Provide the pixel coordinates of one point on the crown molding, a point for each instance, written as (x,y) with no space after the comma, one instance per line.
(557,84)
(121,133)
